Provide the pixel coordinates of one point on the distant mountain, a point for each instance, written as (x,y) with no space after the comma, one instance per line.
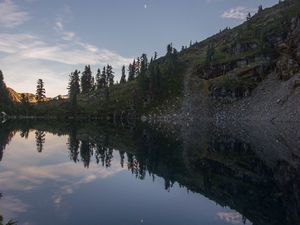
(17,97)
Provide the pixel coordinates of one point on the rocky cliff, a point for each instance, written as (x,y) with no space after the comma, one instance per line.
(251,72)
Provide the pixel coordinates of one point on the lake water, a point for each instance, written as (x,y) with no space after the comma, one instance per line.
(72,173)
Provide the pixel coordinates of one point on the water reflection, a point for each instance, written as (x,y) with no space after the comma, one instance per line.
(253,170)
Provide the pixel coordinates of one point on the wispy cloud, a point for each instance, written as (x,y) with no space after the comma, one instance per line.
(238,13)
(231,217)
(11,15)
(25,46)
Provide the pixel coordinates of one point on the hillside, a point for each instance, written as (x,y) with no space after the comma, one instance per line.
(17,97)
(251,72)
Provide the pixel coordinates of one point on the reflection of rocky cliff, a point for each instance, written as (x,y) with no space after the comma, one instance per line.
(254,170)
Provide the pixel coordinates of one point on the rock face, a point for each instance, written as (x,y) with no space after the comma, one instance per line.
(17,97)
(251,72)
(251,80)
(288,63)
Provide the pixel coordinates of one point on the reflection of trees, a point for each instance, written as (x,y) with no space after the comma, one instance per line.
(24,133)
(5,137)
(73,145)
(40,140)
(88,148)
(86,152)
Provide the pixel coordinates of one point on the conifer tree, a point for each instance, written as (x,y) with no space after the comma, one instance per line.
(144,64)
(74,87)
(110,75)
(103,82)
(86,80)
(40,91)
(4,97)
(138,67)
(130,72)
(123,76)
(98,79)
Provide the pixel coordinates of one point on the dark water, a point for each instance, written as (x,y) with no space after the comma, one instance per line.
(72,173)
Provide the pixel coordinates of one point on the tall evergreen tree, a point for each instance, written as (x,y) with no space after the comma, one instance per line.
(169,49)
(86,80)
(123,76)
(103,82)
(98,79)
(40,91)
(138,67)
(74,87)
(144,64)
(130,72)
(110,75)
(4,96)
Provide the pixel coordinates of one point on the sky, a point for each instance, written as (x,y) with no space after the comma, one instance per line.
(50,39)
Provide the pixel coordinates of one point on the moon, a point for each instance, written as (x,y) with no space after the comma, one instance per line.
(145,6)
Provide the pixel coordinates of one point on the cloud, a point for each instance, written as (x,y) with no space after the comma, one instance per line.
(11,16)
(25,46)
(11,206)
(231,217)
(238,13)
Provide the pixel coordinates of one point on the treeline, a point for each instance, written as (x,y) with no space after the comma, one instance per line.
(142,83)
(153,80)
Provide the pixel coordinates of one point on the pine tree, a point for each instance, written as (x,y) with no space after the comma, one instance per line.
(110,75)
(144,65)
(248,16)
(155,55)
(87,80)
(130,72)
(74,87)
(169,49)
(138,67)
(40,91)
(123,76)
(98,79)
(4,97)
(103,80)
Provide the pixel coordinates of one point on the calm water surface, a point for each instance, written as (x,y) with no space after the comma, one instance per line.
(69,173)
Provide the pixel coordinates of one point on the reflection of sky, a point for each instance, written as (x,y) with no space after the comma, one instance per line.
(48,188)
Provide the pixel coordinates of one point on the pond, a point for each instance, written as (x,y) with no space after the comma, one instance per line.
(90,173)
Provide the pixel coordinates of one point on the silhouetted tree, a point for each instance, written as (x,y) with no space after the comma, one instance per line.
(103,80)
(248,16)
(98,79)
(4,97)
(131,72)
(40,140)
(74,87)
(123,76)
(143,64)
(87,81)
(110,75)
(40,91)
